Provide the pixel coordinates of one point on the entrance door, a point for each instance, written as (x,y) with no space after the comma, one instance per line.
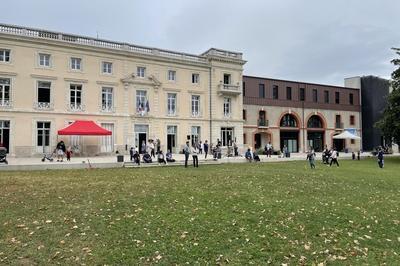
(257,141)
(107,142)
(315,141)
(171,138)
(227,136)
(5,134)
(290,140)
(141,136)
(43,137)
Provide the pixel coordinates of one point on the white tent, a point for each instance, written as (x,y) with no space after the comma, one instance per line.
(346,135)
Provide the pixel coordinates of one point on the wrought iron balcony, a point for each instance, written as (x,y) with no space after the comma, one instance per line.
(76,107)
(43,106)
(262,123)
(107,108)
(6,104)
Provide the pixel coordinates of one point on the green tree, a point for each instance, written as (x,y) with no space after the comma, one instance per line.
(390,122)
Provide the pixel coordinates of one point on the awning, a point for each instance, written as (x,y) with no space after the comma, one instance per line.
(85,128)
(346,135)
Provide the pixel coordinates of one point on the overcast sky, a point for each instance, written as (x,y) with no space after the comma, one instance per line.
(308,40)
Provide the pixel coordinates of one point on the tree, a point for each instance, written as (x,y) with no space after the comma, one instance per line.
(390,122)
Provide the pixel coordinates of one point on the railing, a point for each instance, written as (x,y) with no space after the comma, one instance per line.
(229,89)
(43,34)
(107,108)
(224,53)
(6,104)
(262,123)
(196,114)
(339,125)
(43,106)
(76,107)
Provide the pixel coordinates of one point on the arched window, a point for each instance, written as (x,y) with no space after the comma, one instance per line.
(288,120)
(314,122)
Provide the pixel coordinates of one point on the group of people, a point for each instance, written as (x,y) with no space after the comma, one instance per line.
(62,151)
(148,157)
(251,156)
(329,157)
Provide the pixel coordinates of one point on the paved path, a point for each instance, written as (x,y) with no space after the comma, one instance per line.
(35,163)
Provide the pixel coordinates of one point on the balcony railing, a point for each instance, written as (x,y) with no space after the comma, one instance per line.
(76,107)
(43,106)
(6,104)
(106,108)
(339,125)
(262,123)
(229,89)
(196,114)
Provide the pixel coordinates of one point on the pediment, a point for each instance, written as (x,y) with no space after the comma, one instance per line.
(150,80)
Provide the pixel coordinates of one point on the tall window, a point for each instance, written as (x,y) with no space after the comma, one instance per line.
(5,92)
(43,94)
(227,79)
(351,98)
(338,122)
(44,60)
(227,107)
(352,120)
(226,136)
(76,63)
(43,135)
(244,114)
(302,94)
(195,105)
(107,67)
(171,75)
(195,135)
(141,101)
(171,103)
(141,72)
(275,92)
(288,120)
(195,78)
(106,99)
(315,95)
(244,88)
(326,96)
(261,90)
(314,122)
(4,55)
(75,97)
(337,97)
(288,93)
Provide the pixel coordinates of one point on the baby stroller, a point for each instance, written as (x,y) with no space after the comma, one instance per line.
(3,155)
(147,158)
(48,156)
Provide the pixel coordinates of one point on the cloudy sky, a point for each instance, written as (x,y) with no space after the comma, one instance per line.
(309,40)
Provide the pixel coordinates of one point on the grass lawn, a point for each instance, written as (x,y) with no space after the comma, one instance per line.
(220,214)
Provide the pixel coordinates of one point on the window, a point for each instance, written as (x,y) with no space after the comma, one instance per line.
(227,107)
(288,120)
(142,103)
(288,93)
(351,98)
(43,95)
(227,79)
(195,105)
(244,88)
(244,114)
(141,72)
(302,94)
(76,63)
(261,90)
(244,138)
(275,92)
(226,136)
(171,75)
(43,135)
(75,98)
(171,138)
(5,92)
(326,96)
(337,97)
(107,99)
(195,78)
(315,95)
(314,122)
(338,122)
(44,60)
(352,120)
(195,135)
(4,55)
(107,68)
(171,103)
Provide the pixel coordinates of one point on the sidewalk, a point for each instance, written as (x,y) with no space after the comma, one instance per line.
(35,163)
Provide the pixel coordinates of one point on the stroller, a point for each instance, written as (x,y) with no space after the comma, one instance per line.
(48,156)
(147,158)
(3,155)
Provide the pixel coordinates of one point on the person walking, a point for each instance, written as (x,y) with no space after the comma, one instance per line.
(235,149)
(131,153)
(334,156)
(136,157)
(186,151)
(151,146)
(195,152)
(205,147)
(380,158)
(311,158)
(285,151)
(200,146)
(69,153)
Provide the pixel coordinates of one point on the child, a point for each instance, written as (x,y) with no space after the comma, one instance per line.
(311,158)
(69,153)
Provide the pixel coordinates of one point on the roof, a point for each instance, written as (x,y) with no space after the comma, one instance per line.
(85,128)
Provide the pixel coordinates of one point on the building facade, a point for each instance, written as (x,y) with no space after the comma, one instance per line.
(50,79)
(299,115)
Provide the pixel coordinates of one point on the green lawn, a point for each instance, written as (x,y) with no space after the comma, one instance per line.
(220,214)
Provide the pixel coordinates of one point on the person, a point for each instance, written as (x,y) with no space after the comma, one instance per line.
(168,155)
(69,153)
(186,151)
(248,156)
(334,156)
(380,158)
(200,146)
(131,153)
(358,155)
(269,149)
(235,149)
(136,157)
(353,155)
(256,157)
(60,151)
(325,155)
(147,158)
(205,147)
(285,151)
(158,145)
(151,146)
(217,152)
(311,158)
(195,152)
(161,158)
(143,148)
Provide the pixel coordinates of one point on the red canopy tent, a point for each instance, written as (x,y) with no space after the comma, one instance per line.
(84,128)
